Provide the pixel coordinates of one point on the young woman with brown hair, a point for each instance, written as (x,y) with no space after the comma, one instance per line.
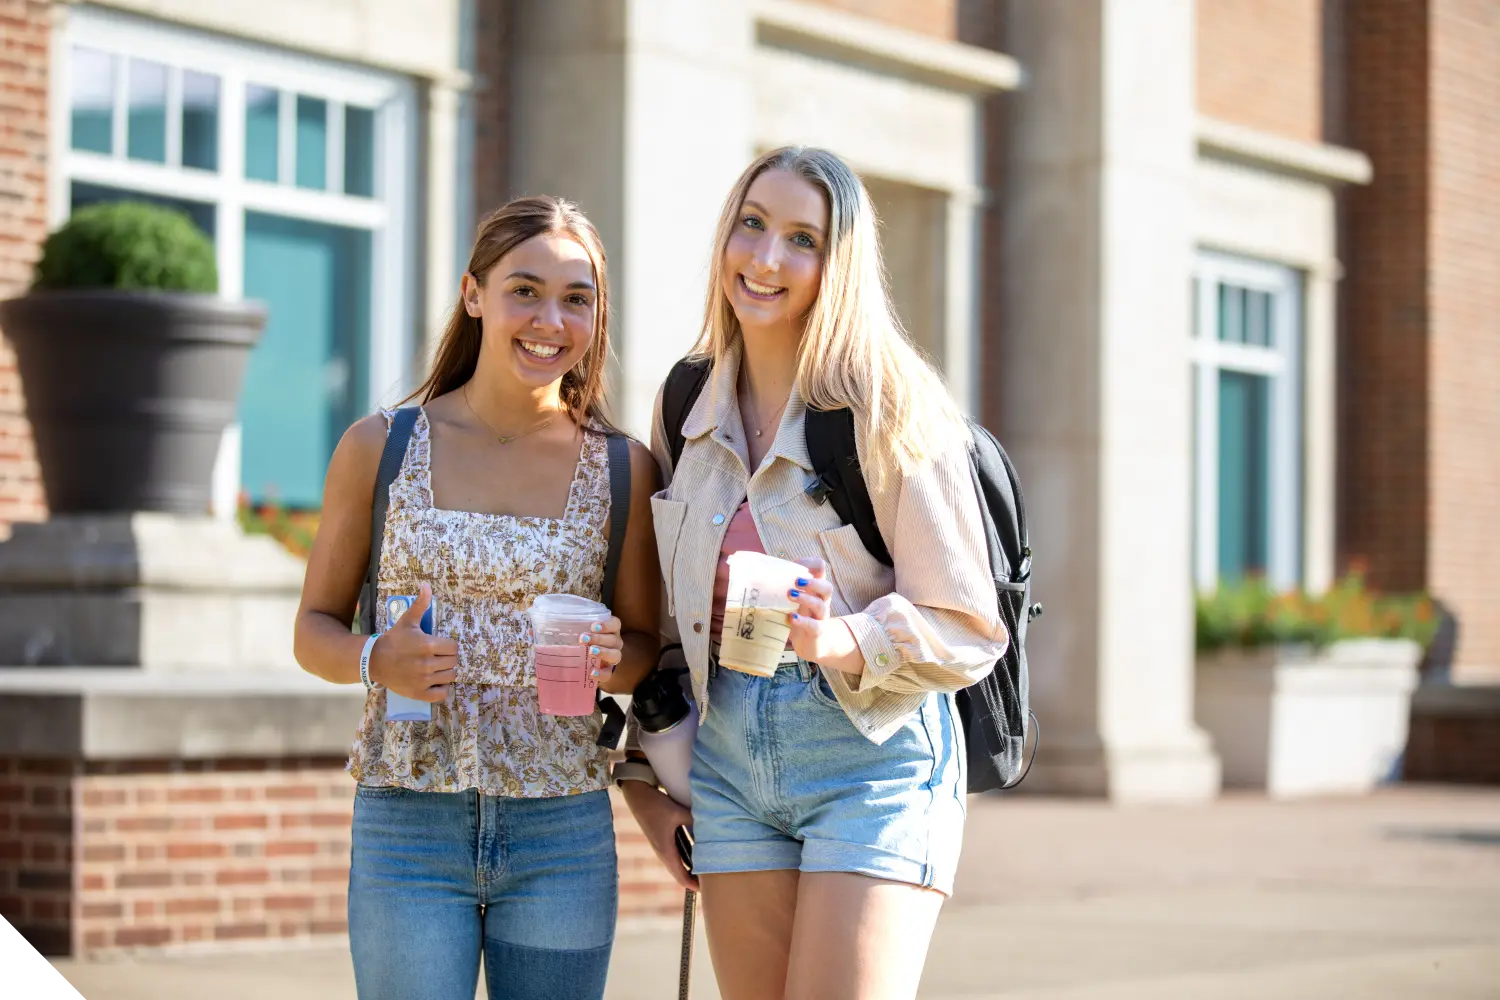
(487,830)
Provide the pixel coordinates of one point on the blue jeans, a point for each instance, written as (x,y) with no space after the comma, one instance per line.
(437,879)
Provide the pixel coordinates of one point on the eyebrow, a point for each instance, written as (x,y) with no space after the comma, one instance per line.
(765,211)
(537,279)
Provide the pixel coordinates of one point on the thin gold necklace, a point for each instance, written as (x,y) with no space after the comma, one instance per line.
(760,428)
(503,439)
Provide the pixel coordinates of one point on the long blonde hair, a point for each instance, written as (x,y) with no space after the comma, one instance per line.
(507,227)
(854,351)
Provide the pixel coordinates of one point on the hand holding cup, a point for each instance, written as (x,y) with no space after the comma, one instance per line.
(606,647)
(816,635)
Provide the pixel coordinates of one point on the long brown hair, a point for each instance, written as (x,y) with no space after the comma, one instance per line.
(583,387)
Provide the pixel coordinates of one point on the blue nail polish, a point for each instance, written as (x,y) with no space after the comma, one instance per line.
(801,582)
(597,627)
(593,650)
(796,617)
(794,593)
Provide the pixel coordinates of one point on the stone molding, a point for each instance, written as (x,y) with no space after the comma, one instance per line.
(1320,162)
(847,37)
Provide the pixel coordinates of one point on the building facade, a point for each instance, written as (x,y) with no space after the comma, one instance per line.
(1220,274)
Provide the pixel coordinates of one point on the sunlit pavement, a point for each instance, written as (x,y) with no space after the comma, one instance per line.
(1396,895)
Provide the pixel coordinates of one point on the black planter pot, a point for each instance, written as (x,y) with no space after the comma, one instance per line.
(129,393)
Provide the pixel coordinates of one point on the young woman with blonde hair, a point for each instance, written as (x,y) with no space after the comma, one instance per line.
(487,831)
(828,801)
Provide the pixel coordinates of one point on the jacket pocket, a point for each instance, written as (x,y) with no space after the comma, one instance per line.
(667,517)
(859,578)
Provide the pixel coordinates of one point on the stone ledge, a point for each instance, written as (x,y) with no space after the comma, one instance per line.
(1313,161)
(123,713)
(820,31)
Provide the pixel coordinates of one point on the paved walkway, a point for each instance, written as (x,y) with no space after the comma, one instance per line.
(1392,896)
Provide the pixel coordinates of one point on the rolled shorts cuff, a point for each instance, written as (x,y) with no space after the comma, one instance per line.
(818,856)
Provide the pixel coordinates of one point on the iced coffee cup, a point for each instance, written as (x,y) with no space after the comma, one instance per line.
(564,681)
(757,612)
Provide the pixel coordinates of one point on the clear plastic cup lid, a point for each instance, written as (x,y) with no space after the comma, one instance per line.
(567,607)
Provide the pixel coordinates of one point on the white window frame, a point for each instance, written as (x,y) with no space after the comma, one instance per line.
(388,216)
(1283,364)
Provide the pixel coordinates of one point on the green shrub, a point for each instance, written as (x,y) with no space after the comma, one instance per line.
(130,245)
(1250,613)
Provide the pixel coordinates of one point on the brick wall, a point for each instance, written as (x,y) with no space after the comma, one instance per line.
(101,858)
(938,18)
(36,851)
(1260,63)
(25,31)
(1463,400)
(1419,413)
(250,849)
(1383,299)
(1455,735)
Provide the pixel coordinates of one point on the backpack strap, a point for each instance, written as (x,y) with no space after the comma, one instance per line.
(684,385)
(835,459)
(396,441)
(618,448)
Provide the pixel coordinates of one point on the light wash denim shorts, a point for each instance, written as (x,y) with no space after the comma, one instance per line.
(782,780)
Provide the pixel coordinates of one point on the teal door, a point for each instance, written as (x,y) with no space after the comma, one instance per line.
(307,377)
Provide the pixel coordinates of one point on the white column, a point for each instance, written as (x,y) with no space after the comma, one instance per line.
(442,179)
(961,299)
(1320,429)
(1097,402)
(640,111)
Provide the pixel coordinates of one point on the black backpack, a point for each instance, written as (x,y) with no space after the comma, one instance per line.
(397,438)
(995,710)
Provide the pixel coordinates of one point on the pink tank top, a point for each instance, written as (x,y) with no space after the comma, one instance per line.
(741,537)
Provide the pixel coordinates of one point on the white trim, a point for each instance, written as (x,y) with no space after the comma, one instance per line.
(286,137)
(60,114)
(1281,363)
(820,31)
(256,196)
(1248,358)
(334,176)
(119,135)
(113,31)
(230,237)
(1315,161)
(174,116)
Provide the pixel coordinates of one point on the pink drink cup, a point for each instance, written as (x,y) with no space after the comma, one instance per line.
(564,682)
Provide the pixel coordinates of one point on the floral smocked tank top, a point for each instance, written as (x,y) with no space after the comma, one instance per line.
(485,570)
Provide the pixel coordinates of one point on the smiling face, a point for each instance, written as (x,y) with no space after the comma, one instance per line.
(537,308)
(773,262)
